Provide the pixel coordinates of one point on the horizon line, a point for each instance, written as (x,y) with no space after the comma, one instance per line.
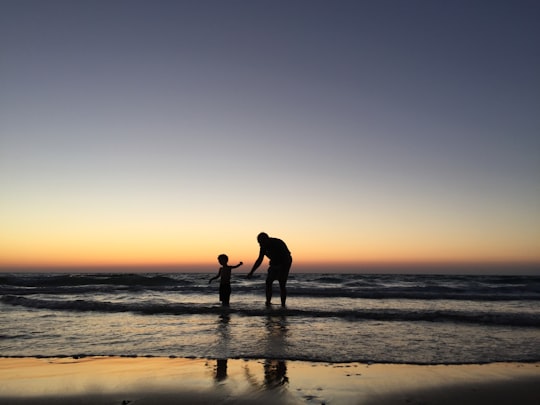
(484,268)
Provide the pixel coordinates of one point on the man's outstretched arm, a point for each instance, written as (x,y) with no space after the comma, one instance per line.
(256,264)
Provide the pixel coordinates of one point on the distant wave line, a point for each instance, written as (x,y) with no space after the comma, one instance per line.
(406,293)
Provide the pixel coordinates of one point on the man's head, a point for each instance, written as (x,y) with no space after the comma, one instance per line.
(262,238)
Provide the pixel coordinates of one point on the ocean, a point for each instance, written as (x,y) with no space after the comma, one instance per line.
(417,319)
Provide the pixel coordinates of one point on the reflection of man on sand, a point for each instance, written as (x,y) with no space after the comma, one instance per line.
(275,373)
(275,369)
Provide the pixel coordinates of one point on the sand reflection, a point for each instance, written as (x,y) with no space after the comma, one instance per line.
(223,346)
(275,370)
(274,367)
(114,380)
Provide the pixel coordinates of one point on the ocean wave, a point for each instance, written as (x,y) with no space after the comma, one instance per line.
(467,288)
(70,280)
(386,315)
(402,293)
(431,293)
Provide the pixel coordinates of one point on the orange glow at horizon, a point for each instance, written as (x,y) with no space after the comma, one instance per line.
(174,241)
(153,251)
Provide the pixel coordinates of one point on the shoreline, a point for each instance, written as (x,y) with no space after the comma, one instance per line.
(82,356)
(152,380)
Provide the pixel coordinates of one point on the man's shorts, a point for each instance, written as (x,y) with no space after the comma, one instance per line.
(279,271)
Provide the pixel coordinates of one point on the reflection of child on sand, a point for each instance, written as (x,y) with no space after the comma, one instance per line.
(225,282)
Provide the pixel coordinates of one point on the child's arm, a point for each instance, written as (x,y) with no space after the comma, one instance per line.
(238,265)
(217,276)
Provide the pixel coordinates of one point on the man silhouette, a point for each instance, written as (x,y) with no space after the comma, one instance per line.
(280,264)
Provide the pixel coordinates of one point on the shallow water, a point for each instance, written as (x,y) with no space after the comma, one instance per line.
(410,319)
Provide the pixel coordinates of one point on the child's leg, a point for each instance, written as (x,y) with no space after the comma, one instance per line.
(225,295)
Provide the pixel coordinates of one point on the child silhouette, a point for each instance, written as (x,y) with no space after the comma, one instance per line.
(225,281)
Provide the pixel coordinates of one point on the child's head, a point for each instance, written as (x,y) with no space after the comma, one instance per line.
(223,259)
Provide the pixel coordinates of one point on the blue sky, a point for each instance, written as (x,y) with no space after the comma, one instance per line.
(358,131)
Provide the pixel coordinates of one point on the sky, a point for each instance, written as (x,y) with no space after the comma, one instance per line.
(365,134)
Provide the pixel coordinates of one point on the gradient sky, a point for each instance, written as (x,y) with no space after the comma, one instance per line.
(167,132)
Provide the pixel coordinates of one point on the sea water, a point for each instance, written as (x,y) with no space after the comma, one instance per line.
(419,319)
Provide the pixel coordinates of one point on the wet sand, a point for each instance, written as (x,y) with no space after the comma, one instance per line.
(122,381)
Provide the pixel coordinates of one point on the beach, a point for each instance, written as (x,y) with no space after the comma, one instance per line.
(122,338)
(157,380)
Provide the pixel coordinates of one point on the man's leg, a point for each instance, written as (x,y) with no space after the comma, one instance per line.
(269,282)
(283,276)
(283,291)
(271,276)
